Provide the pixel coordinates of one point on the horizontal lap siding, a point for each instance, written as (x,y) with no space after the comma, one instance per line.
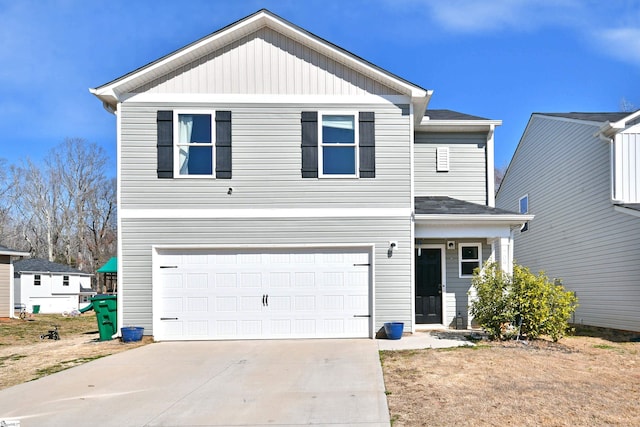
(576,234)
(467,176)
(392,275)
(267,163)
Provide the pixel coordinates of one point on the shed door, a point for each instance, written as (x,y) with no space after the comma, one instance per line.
(253,294)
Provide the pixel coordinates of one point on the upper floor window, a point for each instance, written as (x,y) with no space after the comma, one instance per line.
(470,257)
(194,142)
(37,281)
(523,208)
(338,151)
(65,280)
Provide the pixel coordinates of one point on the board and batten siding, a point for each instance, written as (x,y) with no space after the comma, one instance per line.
(467,176)
(6,281)
(266,62)
(627,164)
(392,277)
(576,234)
(267,162)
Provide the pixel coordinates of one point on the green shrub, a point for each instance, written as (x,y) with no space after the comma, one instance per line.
(522,303)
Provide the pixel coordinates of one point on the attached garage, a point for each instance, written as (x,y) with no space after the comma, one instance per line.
(207,294)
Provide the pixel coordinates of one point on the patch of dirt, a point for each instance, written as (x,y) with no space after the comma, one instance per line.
(579,381)
(25,357)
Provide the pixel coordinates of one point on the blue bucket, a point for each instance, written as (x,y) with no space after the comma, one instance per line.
(131,333)
(393,330)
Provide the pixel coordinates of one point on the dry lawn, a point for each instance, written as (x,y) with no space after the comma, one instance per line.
(25,357)
(587,380)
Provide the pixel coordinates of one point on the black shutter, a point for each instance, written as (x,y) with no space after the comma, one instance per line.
(367,145)
(223,144)
(309,144)
(165,144)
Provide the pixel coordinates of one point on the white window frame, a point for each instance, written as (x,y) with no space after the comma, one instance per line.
(356,143)
(177,145)
(525,226)
(460,260)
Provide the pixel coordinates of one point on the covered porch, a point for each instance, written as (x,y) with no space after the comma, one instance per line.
(451,239)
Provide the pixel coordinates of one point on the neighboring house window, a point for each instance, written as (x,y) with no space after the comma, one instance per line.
(442,159)
(37,280)
(194,142)
(338,145)
(65,280)
(523,208)
(338,151)
(189,145)
(470,256)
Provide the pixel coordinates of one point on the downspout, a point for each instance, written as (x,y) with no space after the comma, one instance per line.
(491,186)
(612,165)
(119,296)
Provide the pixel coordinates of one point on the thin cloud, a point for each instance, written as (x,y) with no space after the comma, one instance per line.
(620,43)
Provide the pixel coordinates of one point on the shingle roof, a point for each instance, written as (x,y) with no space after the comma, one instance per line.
(450,115)
(37,265)
(443,205)
(591,117)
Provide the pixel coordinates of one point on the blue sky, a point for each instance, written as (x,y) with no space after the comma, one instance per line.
(500,59)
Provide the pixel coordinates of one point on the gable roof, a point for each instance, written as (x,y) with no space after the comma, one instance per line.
(111,93)
(589,117)
(12,252)
(38,265)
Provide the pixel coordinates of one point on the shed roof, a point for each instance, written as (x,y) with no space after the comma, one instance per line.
(110,266)
(38,265)
(450,115)
(444,205)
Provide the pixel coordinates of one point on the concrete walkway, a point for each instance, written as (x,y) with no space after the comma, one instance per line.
(214,383)
(427,339)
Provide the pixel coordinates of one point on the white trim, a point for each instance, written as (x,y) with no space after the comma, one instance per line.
(263,213)
(526,196)
(10,252)
(356,144)
(443,273)
(513,219)
(412,256)
(491,190)
(177,144)
(460,260)
(267,99)
(121,289)
(442,159)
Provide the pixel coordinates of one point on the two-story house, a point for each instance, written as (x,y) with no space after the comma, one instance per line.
(274,185)
(578,173)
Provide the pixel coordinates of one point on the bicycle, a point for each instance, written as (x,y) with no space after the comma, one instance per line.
(52,334)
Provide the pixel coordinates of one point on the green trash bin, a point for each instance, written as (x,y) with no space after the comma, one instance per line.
(106,308)
(36,309)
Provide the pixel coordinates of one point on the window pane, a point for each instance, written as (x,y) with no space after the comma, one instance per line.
(194,128)
(196,160)
(338,129)
(468,267)
(524,205)
(469,252)
(339,160)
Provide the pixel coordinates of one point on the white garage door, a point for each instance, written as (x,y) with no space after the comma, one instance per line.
(292,293)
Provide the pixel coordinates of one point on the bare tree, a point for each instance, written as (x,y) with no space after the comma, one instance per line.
(498,175)
(627,106)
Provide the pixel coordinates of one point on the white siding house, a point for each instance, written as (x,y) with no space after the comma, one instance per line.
(578,174)
(54,287)
(267,188)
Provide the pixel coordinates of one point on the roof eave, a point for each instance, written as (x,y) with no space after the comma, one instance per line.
(14,253)
(457,125)
(505,219)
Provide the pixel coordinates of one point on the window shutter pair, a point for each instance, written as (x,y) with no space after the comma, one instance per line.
(165,144)
(366,144)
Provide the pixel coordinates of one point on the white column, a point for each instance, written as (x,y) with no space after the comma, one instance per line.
(506,254)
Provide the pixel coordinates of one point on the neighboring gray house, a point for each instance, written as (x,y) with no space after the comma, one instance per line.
(274,185)
(54,287)
(578,173)
(7,257)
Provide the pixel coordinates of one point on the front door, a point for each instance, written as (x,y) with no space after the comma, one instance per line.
(428,286)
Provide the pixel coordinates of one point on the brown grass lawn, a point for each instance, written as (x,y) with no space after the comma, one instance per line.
(582,380)
(25,357)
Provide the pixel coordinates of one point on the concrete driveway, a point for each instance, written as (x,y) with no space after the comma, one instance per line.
(216,383)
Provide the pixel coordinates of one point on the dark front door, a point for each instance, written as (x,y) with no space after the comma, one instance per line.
(428,286)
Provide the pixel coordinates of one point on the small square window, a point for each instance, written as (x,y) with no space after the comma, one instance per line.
(338,145)
(37,281)
(65,280)
(470,257)
(523,208)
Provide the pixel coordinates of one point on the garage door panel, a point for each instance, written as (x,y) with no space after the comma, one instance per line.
(296,293)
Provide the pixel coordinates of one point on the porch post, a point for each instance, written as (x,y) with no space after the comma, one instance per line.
(506,254)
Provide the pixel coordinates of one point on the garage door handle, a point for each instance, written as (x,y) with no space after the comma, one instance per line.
(361,315)
(168,318)
(267,300)
(168,266)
